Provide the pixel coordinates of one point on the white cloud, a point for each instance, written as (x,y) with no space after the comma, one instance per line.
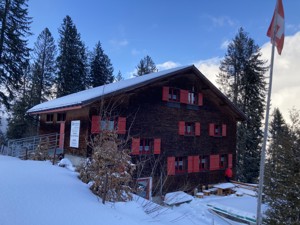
(286,75)
(210,68)
(167,65)
(222,21)
(225,44)
(118,43)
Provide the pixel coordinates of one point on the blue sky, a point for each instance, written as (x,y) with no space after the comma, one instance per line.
(177,32)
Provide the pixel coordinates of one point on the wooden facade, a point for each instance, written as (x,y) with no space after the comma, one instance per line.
(182,130)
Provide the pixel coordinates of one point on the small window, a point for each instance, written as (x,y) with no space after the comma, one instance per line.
(108,125)
(218,130)
(192,98)
(203,164)
(223,161)
(180,165)
(61,117)
(174,94)
(146,146)
(49,118)
(189,128)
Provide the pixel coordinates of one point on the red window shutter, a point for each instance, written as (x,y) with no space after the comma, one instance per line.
(197,129)
(95,129)
(211,129)
(224,130)
(214,163)
(165,94)
(230,160)
(200,99)
(181,126)
(184,96)
(157,143)
(121,125)
(196,163)
(171,166)
(135,146)
(190,164)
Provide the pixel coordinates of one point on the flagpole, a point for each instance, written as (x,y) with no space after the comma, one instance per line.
(263,151)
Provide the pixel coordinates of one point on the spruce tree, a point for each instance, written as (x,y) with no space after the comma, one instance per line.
(14,53)
(72,60)
(283,171)
(101,69)
(21,124)
(119,77)
(146,66)
(242,80)
(43,71)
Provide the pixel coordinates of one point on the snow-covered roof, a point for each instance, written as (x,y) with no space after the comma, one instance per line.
(88,95)
(79,99)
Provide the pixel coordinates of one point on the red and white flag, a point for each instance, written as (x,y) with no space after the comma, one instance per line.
(276,28)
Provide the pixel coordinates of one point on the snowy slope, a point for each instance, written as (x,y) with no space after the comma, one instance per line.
(38,193)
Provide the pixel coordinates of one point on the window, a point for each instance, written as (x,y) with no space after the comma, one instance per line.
(49,118)
(189,128)
(146,146)
(61,117)
(192,98)
(217,130)
(174,94)
(180,165)
(108,125)
(204,163)
(223,161)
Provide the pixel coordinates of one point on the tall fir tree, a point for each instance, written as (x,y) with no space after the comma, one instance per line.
(101,69)
(14,53)
(43,69)
(72,60)
(282,180)
(242,80)
(146,66)
(21,124)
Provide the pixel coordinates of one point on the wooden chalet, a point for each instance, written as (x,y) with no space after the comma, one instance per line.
(178,123)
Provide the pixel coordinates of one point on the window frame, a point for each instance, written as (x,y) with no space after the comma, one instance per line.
(204,167)
(223,161)
(146,142)
(183,168)
(174,92)
(192,96)
(59,115)
(189,128)
(49,118)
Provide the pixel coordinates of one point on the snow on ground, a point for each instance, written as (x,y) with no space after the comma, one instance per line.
(38,193)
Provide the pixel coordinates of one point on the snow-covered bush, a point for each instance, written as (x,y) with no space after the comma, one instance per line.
(109,169)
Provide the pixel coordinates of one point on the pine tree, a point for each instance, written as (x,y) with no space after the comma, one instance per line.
(242,80)
(43,71)
(14,53)
(101,69)
(146,66)
(119,77)
(283,171)
(72,60)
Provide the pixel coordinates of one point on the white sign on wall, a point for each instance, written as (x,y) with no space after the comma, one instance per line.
(74,134)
